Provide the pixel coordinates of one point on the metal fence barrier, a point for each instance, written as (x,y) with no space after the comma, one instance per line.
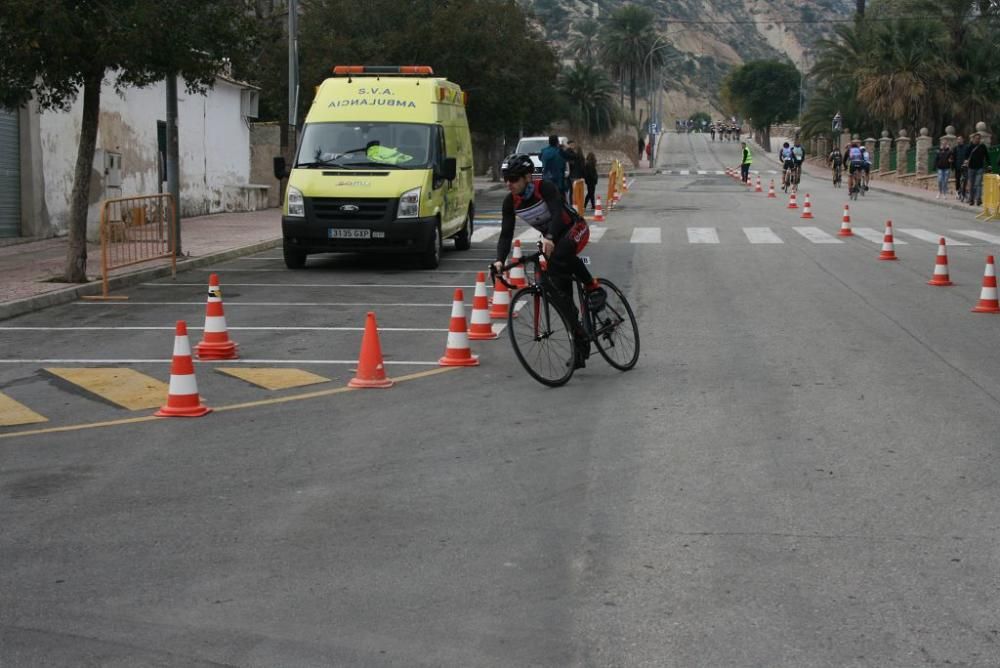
(136,230)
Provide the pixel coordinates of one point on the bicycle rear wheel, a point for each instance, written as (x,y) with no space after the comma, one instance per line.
(542,337)
(616,332)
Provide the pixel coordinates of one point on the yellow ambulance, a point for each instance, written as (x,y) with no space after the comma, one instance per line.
(383,165)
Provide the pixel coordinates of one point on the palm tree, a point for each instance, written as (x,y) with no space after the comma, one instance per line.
(589,97)
(582,46)
(627,43)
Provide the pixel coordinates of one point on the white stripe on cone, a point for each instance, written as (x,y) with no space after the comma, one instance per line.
(215,323)
(185,385)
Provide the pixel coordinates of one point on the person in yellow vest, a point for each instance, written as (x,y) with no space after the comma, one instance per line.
(747,161)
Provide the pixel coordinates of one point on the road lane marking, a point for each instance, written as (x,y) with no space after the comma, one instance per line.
(529,236)
(762,235)
(702,235)
(685,172)
(596,233)
(123,387)
(306,285)
(976,234)
(13,413)
(168,361)
(485,233)
(874,236)
(142,328)
(816,235)
(274,379)
(220,409)
(930,237)
(367,305)
(235,270)
(646,235)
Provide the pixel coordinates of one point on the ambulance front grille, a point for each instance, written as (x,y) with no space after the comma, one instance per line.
(332,209)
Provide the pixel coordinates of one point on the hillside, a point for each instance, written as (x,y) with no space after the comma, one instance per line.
(708,37)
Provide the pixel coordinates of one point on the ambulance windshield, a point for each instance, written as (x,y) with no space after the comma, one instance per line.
(356,145)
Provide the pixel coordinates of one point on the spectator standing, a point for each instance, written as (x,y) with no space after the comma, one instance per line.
(943,164)
(649,151)
(746,162)
(958,155)
(574,158)
(978,159)
(553,159)
(590,178)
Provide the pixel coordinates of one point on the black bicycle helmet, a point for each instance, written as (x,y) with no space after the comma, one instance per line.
(518,164)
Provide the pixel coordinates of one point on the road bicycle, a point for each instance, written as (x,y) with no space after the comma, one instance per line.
(838,179)
(542,335)
(857,185)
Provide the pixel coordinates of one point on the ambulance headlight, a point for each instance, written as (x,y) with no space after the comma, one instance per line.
(296,203)
(409,204)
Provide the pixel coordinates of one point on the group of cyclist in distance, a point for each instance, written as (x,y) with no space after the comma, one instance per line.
(725,131)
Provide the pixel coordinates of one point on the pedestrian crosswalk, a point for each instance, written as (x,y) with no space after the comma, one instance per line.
(749,235)
(707,172)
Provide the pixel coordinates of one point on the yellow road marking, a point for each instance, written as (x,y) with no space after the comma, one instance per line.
(124,387)
(274,379)
(14,413)
(220,409)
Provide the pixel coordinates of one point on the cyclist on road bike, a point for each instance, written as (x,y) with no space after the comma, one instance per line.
(798,157)
(787,164)
(564,234)
(856,163)
(866,159)
(834,161)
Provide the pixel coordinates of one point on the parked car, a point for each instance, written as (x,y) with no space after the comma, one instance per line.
(533,147)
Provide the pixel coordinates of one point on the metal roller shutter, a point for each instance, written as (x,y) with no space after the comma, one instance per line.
(10,175)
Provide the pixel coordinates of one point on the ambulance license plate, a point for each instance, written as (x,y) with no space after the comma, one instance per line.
(348,233)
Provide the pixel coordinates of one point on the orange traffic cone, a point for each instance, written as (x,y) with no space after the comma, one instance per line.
(807,210)
(770,191)
(792,204)
(598,211)
(480,328)
(457,351)
(758,189)
(940,276)
(182,397)
(517,276)
(988,295)
(845,224)
(215,343)
(888,247)
(371,368)
(501,300)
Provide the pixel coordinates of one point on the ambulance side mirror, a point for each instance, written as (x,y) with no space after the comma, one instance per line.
(449,170)
(280,169)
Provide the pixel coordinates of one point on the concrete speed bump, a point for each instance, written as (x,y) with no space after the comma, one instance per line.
(274,379)
(14,413)
(123,387)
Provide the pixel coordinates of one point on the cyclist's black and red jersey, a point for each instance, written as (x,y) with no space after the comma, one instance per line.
(541,206)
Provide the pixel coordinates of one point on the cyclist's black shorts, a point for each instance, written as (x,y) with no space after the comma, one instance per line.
(868,168)
(789,164)
(856,165)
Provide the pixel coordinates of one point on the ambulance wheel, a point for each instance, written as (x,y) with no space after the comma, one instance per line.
(463,240)
(294,259)
(431,258)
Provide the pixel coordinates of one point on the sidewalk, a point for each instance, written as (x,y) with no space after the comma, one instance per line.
(30,269)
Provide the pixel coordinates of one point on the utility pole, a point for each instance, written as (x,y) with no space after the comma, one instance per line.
(173,155)
(293,62)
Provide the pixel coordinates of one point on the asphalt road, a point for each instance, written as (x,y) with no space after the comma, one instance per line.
(800,471)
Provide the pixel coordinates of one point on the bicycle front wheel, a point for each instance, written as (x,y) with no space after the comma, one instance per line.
(616,332)
(542,337)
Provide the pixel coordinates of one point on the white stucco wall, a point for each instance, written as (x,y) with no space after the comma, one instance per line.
(213,136)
